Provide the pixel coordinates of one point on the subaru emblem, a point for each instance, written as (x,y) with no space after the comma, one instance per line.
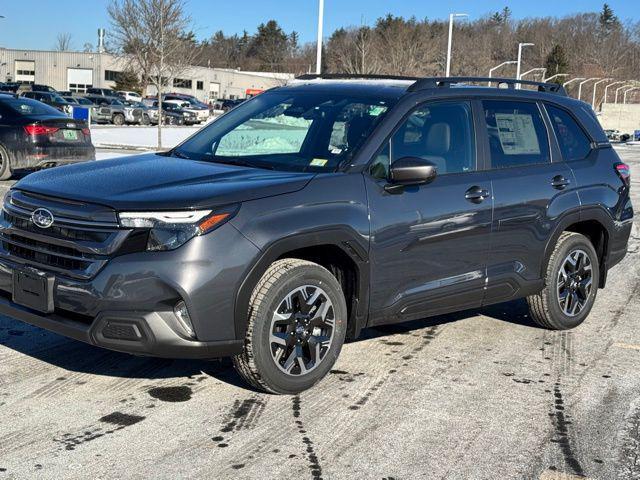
(41,217)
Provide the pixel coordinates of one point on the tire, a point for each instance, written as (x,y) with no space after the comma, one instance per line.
(118,119)
(146,120)
(278,304)
(5,164)
(570,284)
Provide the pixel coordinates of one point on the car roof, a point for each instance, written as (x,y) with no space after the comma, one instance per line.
(388,88)
(391,87)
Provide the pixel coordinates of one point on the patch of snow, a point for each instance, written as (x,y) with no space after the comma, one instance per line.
(145,137)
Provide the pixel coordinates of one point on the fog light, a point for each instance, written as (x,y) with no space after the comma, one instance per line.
(182,314)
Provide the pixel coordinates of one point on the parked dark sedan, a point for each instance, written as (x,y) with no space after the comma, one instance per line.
(34,135)
(52,99)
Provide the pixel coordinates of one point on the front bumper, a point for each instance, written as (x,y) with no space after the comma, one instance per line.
(147,334)
(128,305)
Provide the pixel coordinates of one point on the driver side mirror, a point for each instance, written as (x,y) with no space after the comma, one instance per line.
(411,171)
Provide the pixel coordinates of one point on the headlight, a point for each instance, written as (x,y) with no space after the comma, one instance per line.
(170,230)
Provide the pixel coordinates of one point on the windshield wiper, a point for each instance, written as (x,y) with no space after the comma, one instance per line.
(179,154)
(243,163)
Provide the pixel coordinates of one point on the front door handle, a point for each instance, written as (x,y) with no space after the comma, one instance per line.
(476,194)
(559,182)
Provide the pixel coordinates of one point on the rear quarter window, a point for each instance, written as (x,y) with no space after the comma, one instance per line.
(573,142)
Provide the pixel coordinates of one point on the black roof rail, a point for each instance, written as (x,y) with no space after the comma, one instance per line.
(446,82)
(354,76)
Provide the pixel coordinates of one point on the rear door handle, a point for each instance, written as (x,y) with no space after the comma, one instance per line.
(476,194)
(559,182)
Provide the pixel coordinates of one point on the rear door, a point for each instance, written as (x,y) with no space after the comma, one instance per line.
(429,243)
(532,188)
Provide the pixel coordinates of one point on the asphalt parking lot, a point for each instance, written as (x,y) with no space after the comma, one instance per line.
(476,395)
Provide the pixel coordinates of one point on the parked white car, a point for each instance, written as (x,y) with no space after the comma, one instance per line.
(130,96)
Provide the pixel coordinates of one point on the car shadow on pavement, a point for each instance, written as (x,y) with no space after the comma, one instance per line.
(79,357)
(515,312)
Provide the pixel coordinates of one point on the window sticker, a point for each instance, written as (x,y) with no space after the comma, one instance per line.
(376,110)
(318,162)
(517,134)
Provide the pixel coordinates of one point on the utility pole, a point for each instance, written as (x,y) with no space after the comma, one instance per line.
(450,42)
(319,46)
(520,47)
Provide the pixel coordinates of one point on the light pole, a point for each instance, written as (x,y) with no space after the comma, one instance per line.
(618,90)
(555,76)
(595,86)
(582,83)
(319,47)
(627,91)
(539,69)
(451,17)
(606,88)
(491,70)
(520,47)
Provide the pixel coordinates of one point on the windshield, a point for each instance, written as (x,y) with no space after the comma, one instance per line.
(299,131)
(25,106)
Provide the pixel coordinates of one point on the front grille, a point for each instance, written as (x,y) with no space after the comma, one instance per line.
(82,239)
(57,231)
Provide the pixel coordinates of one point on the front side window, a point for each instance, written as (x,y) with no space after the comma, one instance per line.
(297,131)
(517,134)
(574,143)
(441,133)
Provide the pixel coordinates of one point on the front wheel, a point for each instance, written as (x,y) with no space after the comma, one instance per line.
(118,119)
(570,284)
(297,325)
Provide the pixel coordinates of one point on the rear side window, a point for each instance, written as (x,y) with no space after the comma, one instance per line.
(517,134)
(574,143)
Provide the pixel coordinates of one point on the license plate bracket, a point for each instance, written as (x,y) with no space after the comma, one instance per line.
(33,290)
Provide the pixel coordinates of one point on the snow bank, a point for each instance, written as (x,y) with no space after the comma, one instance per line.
(139,137)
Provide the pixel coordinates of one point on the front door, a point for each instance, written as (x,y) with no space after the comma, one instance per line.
(429,243)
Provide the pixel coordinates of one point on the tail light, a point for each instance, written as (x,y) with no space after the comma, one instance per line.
(624,172)
(39,130)
(86,131)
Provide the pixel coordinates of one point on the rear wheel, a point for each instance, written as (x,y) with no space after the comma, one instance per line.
(5,164)
(146,120)
(571,284)
(297,325)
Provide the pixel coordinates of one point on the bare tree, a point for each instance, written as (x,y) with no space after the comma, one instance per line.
(152,39)
(63,42)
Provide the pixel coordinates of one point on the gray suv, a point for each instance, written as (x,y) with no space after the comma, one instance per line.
(318,209)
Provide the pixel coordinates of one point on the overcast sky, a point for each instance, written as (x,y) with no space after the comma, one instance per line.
(34,24)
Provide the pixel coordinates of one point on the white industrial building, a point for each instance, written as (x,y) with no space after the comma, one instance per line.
(77,71)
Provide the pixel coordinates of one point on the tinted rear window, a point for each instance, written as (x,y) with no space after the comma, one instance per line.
(25,106)
(574,143)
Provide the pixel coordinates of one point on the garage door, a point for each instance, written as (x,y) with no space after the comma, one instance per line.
(79,79)
(25,71)
(214,90)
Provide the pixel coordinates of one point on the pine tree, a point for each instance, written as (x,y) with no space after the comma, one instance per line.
(556,61)
(608,20)
(128,81)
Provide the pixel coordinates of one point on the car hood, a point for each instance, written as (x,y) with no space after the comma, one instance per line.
(160,182)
